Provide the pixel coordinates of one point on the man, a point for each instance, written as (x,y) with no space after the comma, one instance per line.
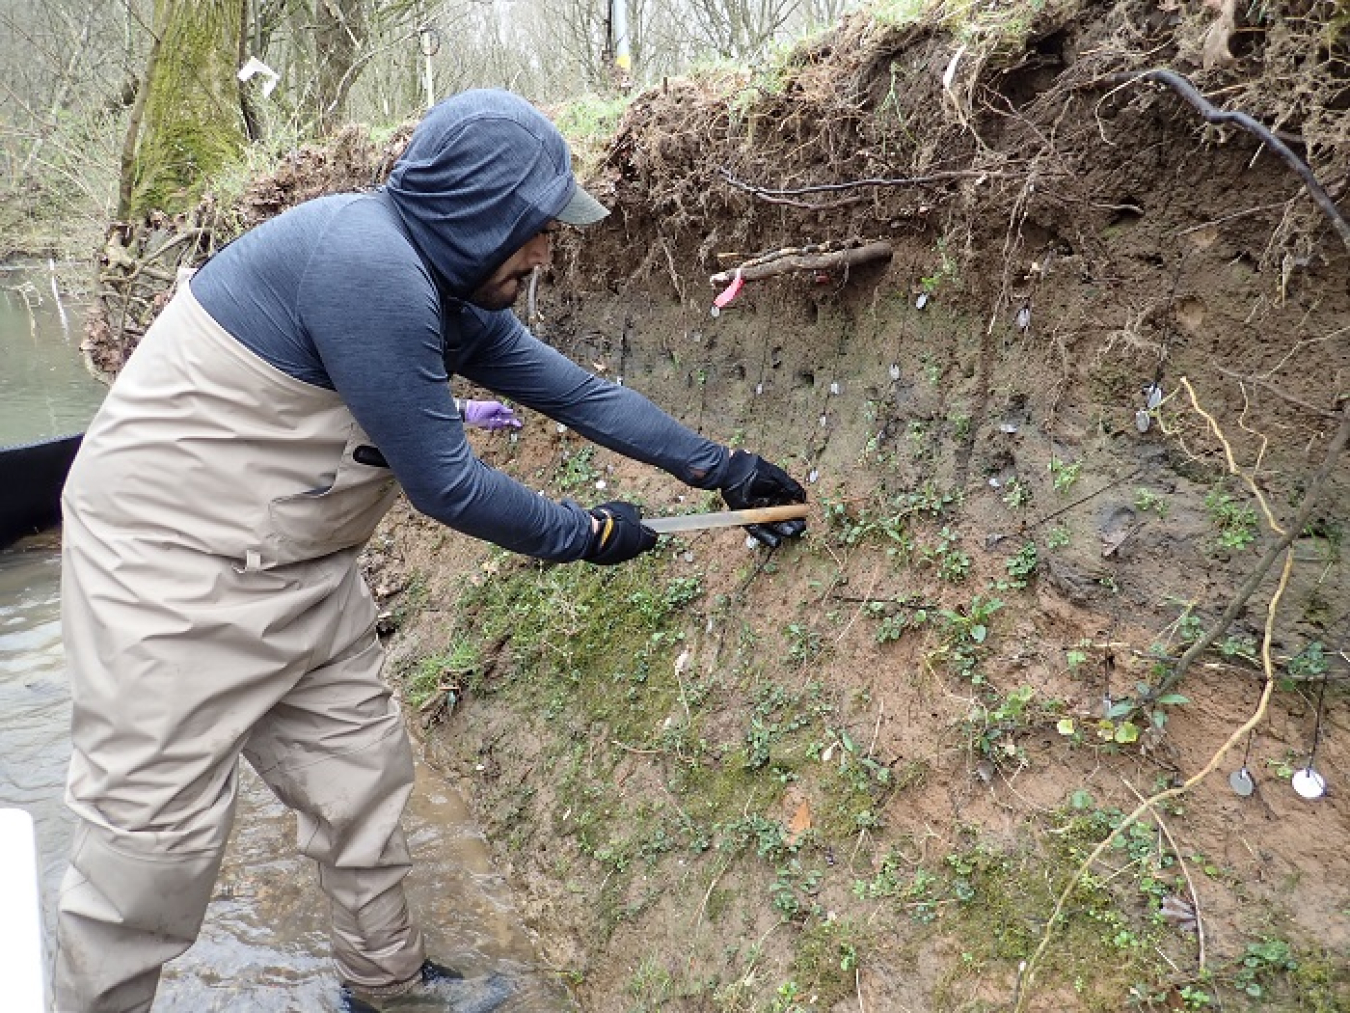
(212,604)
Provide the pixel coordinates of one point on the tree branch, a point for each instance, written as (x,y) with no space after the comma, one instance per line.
(1213,114)
(768,268)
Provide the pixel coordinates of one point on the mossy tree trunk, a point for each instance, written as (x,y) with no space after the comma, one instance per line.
(192,121)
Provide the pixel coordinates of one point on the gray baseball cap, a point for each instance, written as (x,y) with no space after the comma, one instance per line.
(582,209)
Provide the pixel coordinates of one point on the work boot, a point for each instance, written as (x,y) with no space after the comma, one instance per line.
(436,989)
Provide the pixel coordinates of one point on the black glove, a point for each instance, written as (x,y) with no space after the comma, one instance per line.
(620,536)
(753,482)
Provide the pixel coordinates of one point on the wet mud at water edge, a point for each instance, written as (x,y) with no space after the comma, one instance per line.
(264,945)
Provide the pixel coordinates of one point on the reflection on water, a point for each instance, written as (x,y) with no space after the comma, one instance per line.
(264,946)
(45,389)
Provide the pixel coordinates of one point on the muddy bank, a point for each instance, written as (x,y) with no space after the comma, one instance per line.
(864,770)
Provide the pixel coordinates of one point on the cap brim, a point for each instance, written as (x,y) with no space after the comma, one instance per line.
(582,209)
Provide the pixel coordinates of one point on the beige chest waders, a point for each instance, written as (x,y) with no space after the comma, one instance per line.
(212,606)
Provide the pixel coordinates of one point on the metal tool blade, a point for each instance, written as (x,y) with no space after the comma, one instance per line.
(726,518)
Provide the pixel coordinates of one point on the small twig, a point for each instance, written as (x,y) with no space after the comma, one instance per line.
(1083,499)
(937,177)
(1229,217)
(634,749)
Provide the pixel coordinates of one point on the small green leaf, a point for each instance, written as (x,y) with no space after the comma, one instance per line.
(1173,699)
(1065,726)
(1127,731)
(1119,710)
(978,633)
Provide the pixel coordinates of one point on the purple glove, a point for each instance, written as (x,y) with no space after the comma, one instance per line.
(489,415)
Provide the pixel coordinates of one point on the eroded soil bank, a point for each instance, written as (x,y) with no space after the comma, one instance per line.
(865,771)
(862,772)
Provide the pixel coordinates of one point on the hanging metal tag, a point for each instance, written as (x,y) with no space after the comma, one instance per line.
(1309,783)
(1241,782)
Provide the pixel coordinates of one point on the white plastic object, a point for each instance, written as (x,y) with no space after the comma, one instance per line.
(252,68)
(21,963)
(1309,783)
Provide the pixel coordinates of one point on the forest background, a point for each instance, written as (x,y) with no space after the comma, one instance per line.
(112,109)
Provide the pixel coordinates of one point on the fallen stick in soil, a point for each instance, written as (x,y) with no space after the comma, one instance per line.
(788,262)
(1213,114)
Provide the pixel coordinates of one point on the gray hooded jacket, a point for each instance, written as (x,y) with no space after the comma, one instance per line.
(362,294)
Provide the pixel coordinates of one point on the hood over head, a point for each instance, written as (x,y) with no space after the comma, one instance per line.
(483,173)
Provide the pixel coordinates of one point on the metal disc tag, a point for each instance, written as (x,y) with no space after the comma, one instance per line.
(1241,782)
(1309,783)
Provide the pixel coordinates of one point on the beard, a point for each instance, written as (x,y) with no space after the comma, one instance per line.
(498,294)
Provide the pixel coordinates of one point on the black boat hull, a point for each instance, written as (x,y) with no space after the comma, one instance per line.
(31,478)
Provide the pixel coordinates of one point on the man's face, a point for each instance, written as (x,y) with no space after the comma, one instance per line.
(504,285)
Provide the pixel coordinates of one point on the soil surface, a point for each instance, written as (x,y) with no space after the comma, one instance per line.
(1047,439)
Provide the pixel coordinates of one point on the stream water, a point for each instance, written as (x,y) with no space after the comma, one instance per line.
(264,945)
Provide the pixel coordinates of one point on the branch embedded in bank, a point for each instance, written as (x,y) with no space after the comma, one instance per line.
(808,258)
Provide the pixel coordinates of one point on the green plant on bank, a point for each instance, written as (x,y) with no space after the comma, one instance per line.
(1146,501)
(1016,495)
(1057,537)
(899,12)
(916,433)
(1021,566)
(1260,962)
(597,641)
(589,122)
(577,471)
(964,632)
(946,270)
(1309,663)
(440,673)
(411,601)
(932,372)
(887,518)
(896,617)
(1064,474)
(1240,645)
(805,644)
(1235,522)
(828,952)
(992,727)
(1128,717)
(777,713)
(953,564)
